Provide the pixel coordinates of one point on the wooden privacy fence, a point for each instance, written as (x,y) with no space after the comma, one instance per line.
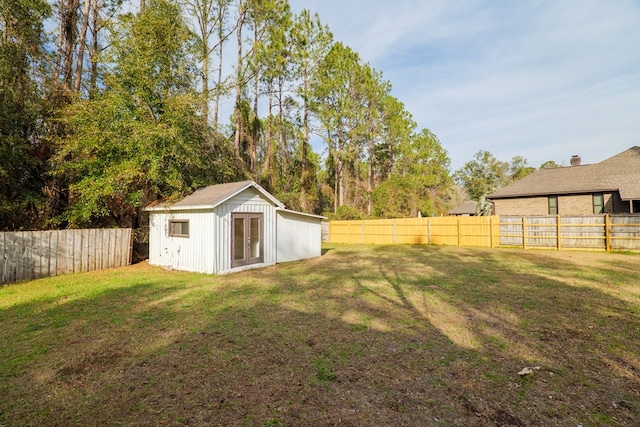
(26,255)
(458,231)
(605,232)
(608,232)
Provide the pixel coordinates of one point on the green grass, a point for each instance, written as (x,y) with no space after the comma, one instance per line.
(364,335)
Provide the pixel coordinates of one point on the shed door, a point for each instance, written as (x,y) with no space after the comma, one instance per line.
(247,245)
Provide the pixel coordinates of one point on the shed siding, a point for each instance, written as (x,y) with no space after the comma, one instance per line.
(208,247)
(247,201)
(250,196)
(193,253)
(298,237)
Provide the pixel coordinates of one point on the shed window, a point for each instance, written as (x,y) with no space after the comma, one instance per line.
(553,205)
(598,203)
(179,228)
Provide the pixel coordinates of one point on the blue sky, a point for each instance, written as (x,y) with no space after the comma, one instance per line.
(542,79)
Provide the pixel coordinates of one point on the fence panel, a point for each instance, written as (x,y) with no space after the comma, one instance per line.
(511,231)
(467,231)
(475,232)
(542,232)
(443,231)
(583,232)
(624,232)
(602,232)
(27,255)
(411,231)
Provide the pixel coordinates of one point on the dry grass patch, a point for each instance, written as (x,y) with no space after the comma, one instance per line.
(365,335)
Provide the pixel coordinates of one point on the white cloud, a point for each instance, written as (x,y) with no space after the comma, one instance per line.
(540,79)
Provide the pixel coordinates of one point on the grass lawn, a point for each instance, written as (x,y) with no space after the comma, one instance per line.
(364,335)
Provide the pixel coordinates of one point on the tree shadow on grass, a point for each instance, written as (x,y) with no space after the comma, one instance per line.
(436,338)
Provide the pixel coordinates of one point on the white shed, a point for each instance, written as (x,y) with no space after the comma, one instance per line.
(230,227)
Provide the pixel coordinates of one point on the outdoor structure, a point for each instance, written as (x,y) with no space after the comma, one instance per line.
(467,208)
(230,227)
(609,187)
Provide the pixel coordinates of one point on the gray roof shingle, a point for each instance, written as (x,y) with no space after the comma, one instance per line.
(466,208)
(618,173)
(213,195)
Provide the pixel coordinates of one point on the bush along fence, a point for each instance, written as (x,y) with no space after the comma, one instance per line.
(26,255)
(602,232)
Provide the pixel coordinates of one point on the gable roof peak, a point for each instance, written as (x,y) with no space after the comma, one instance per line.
(214,195)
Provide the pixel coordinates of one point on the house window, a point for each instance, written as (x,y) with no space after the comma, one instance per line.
(179,227)
(635,206)
(553,205)
(598,203)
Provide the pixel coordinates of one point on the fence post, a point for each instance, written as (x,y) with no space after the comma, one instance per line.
(362,232)
(131,242)
(559,232)
(3,258)
(491,242)
(524,232)
(607,233)
(428,232)
(458,229)
(394,231)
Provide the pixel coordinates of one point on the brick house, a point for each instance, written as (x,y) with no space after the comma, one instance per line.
(611,186)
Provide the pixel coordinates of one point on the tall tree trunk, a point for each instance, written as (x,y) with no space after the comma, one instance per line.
(370,172)
(304,147)
(340,179)
(255,129)
(335,182)
(269,160)
(70,19)
(58,64)
(239,82)
(205,80)
(93,78)
(81,44)
(203,18)
(282,148)
(216,104)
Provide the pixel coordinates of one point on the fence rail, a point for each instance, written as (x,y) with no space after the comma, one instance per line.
(604,232)
(26,255)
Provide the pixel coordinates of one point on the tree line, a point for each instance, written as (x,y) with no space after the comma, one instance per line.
(107,106)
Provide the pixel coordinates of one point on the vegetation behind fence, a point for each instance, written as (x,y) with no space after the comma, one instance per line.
(27,255)
(605,232)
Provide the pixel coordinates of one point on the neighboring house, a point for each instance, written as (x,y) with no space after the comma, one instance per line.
(467,208)
(230,227)
(611,186)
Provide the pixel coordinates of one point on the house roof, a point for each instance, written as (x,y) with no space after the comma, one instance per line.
(618,173)
(466,208)
(214,195)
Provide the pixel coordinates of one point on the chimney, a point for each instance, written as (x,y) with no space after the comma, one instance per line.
(575,160)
